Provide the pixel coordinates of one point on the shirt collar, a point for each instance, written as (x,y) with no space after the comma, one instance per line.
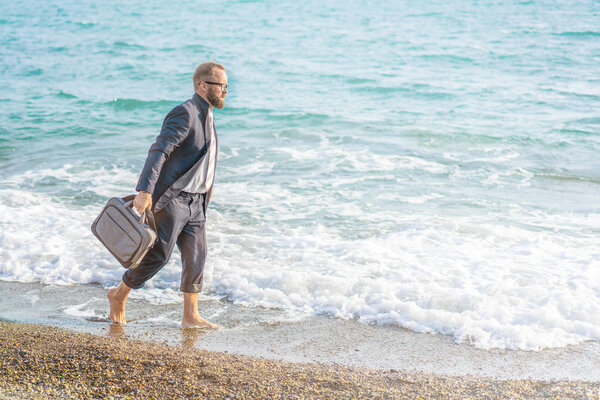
(201,102)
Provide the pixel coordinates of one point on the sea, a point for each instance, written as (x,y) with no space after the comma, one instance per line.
(427,166)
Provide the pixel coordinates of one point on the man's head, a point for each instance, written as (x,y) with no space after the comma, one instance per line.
(209,80)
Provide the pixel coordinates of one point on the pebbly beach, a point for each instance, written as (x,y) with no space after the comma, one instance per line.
(40,362)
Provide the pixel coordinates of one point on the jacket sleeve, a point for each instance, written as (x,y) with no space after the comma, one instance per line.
(175,129)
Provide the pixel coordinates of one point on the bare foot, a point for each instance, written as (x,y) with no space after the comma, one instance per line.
(197,322)
(191,316)
(117,306)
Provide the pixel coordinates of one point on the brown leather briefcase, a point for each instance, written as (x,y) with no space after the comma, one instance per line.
(125,234)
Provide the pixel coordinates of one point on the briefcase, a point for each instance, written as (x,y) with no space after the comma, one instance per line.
(125,234)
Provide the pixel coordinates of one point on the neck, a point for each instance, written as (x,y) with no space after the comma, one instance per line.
(205,99)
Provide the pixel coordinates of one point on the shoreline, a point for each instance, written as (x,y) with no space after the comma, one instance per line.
(38,361)
(273,334)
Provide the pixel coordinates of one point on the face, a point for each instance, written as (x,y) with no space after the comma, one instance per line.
(214,95)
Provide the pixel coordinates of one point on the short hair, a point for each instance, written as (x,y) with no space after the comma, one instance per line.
(205,71)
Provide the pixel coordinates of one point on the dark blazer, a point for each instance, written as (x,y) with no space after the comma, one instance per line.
(173,158)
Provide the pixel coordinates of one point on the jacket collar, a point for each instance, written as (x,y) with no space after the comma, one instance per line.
(201,103)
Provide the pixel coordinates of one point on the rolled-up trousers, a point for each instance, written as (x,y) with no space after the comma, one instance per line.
(180,222)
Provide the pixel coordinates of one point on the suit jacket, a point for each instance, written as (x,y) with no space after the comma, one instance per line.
(174,157)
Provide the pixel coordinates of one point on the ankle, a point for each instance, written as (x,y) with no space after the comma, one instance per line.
(117,295)
(187,314)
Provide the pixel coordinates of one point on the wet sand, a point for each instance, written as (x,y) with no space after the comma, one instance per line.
(271,334)
(40,362)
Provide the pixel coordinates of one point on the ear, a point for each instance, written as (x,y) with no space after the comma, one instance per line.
(201,88)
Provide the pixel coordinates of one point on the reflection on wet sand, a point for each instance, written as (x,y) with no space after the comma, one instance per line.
(116,330)
(190,336)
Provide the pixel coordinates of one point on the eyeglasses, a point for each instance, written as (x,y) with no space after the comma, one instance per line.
(224,86)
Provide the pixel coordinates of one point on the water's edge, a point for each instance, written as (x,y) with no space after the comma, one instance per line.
(261,332)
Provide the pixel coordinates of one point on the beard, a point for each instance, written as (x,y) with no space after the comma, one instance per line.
(215,100)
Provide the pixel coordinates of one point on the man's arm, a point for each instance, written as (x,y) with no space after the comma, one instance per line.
(175,129)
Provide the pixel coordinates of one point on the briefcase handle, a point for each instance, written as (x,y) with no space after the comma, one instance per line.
(142,217)
(147,215)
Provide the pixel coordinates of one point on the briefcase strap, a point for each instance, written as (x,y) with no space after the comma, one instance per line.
(150,219)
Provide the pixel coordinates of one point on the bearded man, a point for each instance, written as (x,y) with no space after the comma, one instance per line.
(176,184)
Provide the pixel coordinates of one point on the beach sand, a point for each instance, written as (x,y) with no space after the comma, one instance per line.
(40,362)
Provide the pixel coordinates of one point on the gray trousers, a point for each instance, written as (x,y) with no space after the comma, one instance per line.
(180,222)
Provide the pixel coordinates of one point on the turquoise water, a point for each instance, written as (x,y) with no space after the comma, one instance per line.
(429,165)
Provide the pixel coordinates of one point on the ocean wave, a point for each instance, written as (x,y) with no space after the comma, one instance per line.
(579,34)
(72,179)
(588,121)
(565,176)
(237,111)
(58,49)
(30,71)
(65,95)
(484,281)
(121,44)
(195,47)
(302,116)
(453,289)
(414,91)
(135,104)
(583,92)
(62,242)
(85,24)
(448,58)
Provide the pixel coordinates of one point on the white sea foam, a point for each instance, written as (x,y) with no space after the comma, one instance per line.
(333,158)
(485,280)
(48,241)
(508,294)
(33,296)
(172,319)
(79,310)
(104,181)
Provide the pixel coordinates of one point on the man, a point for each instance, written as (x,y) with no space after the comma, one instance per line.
(176,184)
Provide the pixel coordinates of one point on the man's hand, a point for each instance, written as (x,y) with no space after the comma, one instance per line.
(142,201)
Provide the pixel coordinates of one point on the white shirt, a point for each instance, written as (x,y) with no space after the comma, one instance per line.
(203,180)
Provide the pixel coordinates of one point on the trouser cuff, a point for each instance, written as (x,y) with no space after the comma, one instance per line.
(193,288)
(130,284)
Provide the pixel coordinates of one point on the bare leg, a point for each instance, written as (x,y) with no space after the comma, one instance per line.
(117,298)
(191,317)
